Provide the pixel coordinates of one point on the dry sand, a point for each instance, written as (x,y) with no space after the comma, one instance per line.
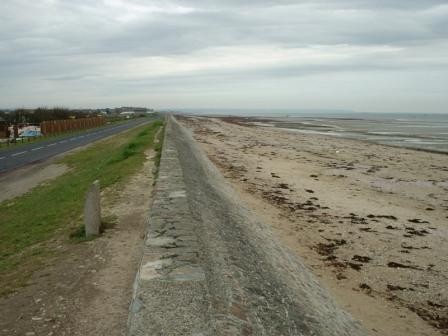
(369,220)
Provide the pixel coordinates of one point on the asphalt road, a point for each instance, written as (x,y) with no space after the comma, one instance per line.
(16,157)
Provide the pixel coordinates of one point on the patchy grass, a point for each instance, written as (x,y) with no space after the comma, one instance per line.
(31,223)
(79,234)
(158,145)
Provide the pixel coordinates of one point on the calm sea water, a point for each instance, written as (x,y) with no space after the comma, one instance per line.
(413,130)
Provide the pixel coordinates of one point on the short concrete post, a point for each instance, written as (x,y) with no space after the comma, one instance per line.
(92,210)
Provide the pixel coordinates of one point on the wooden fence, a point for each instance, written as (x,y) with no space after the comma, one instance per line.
(68,125)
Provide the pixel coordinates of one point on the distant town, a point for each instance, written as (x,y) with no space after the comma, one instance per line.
(30,123)
(115,111)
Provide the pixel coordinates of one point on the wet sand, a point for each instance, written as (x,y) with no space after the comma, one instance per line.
(369,220)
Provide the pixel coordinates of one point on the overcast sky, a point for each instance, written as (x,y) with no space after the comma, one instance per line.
(364,55)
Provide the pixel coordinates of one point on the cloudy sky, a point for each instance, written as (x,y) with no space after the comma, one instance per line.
(364,55)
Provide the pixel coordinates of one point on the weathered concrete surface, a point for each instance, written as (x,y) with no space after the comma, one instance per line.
(210,267)
(170,296)
(92,210)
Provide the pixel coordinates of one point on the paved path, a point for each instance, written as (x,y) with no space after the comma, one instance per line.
(16,157)
(210,267)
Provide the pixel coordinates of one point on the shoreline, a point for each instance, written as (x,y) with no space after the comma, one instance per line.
(373,142)
(367,219)
(311,129)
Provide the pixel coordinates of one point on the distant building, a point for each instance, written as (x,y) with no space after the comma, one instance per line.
(30,133)
(137,110)
(128,114)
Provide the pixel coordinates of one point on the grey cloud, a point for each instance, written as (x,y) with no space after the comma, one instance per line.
(170,34)
(74,77)
(67,42)
(406,4)
(198,80)
(293,26)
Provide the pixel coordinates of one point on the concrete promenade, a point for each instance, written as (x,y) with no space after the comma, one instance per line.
(210,267)
(170,296)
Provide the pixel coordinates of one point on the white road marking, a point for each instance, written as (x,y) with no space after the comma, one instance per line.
(63,141)
(19,153)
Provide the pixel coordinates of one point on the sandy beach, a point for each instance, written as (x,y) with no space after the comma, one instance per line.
(369,220)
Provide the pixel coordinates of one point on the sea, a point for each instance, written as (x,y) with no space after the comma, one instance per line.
(423,131)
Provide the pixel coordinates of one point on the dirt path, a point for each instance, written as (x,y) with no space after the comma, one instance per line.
(369,220)
(24,179)
(87,289)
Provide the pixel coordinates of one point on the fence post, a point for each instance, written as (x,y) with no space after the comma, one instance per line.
(92,210)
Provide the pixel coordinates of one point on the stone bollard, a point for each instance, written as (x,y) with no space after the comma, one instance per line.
(92,210)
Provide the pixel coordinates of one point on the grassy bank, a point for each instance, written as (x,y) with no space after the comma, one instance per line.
(30,224)
(158,148)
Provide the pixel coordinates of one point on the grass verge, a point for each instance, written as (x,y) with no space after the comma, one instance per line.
(30,224)
(158,145)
